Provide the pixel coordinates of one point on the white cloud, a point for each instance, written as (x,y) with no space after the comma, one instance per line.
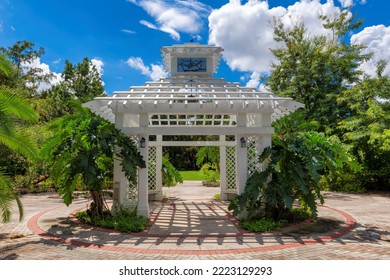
(346,3)
(155,72)
(98,64)
(246,34)
(377,40)
(254,80)
(174,16)
(44,70)
(128,31)
(57,61)
(174,34)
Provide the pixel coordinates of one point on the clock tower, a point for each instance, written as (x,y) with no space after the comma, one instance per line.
(191,60)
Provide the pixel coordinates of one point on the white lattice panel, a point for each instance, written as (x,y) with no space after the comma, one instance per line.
(152,169)
(231,173)
(192,120)
(253,155)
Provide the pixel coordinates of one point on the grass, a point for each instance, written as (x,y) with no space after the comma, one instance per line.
(194,175)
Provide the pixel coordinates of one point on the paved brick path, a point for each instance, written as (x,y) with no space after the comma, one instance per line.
(197,228)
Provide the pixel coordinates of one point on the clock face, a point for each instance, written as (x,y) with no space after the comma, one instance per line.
(194,64)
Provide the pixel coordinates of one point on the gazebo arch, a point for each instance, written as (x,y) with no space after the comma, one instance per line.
(191,102)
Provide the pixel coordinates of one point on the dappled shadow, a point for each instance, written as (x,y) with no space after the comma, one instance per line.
(340,196)
(366,234)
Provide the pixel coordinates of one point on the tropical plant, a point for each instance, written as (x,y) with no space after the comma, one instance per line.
(170,175)
(295,162)
(82,151)
(211,173)
(208,154)
(13,109)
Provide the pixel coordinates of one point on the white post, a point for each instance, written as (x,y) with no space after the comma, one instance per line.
(265,140)
(222,169)
(121,183)
(241,155)
(159,194)
(143,203)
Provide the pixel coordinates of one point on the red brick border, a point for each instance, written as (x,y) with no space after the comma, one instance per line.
(349,226)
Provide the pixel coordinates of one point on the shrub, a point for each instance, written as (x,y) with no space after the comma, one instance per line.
(261,225)
(125,221)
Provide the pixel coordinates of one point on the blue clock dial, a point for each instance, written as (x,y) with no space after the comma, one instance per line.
(197,64)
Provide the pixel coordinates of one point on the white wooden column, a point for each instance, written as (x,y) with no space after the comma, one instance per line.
(159,155)
(222,166)
(143,203)
(241,156)
(265,139)
(121,184)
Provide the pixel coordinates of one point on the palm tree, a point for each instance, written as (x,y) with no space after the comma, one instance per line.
(12,110)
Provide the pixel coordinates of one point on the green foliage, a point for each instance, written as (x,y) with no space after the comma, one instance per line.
(7,196)
(261,225)
(13,109)
(296,162)
(23,76)
(314,70)
(170,175)
(210,172)
(366,128)
(82,151)
(82,80)
(208,154)
(125,221)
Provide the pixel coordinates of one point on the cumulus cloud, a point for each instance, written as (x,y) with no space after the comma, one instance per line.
(174,16)
(155,72)
(246,33)
(254,80)
(44,69)
(98,65)
(377,40)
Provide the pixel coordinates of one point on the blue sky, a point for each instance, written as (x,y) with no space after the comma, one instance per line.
(124,37)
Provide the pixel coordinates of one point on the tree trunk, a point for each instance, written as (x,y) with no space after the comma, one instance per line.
(98,207)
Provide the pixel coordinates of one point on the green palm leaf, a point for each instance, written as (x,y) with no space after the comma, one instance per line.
(13,105)
(7,196)
(19,143)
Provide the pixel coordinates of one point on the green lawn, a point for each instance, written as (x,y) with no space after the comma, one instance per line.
(194,175)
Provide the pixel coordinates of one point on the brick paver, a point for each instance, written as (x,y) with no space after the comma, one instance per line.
(197,229)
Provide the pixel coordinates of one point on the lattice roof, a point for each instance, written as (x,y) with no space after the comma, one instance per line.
(201,96)
(189,94)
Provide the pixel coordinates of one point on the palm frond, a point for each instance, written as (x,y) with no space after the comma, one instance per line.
(11,104)
(5,65)
(19,143)
(7,197)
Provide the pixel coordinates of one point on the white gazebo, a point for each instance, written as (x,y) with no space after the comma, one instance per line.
(191,102)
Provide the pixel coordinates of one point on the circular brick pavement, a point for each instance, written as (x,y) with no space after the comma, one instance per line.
(365,234)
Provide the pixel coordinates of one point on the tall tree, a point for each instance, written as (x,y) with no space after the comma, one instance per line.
(12,109)
(27,77)
(315,70)
(83,80)
(367,127)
